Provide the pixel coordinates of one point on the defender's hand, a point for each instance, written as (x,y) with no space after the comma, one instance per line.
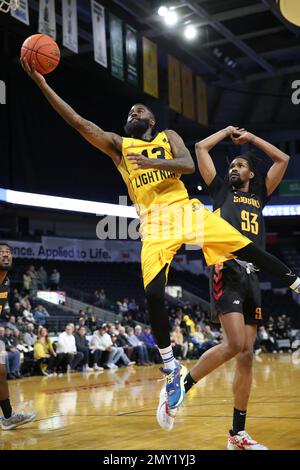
(31,71)
(241,137)
(230,130)
(141,161)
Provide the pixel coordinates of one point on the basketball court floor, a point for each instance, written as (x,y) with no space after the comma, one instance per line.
(116,410)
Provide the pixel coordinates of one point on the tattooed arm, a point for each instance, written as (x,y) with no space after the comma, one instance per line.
(108,142)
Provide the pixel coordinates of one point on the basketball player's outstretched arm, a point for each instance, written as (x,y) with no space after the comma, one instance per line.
(182,162)
(205,163)
(107,142)
(280,159)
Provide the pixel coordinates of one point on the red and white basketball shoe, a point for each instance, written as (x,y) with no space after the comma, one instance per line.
(242,441)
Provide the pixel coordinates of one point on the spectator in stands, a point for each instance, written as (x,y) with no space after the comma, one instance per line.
(208,335)
(127,320)
(26,282)
(89,312)
(54,280)
(179,344)
(82,322)
(140,348)
(124,307)
(40,315)
(14,298)
(266,341)
(123,342)
(11,324)
(132,306)
(146,338)
(29,337)
(82,346)
(283,326)
(124,358)
(28,315)
(117,327)
(21,325)
(96,297)
(34,280)
(90,318)
(25,302)
(99,298)
(102,298)
(188,310)
(189,325)
(42,279)
(102,341)
(66,348)
(13,363)
(112,330)
(17,337)
(44,353)
(17,309)
(202,343)
(21,345)
(81,314)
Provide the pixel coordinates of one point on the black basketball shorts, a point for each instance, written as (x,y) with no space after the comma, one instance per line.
(232,289)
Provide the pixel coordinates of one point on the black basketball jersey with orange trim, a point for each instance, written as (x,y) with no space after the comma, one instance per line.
(4,292)
(242,210)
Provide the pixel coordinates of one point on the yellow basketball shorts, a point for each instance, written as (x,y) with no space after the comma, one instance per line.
(187,222)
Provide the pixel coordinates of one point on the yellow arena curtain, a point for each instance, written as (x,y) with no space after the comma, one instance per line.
(150,67)
(202,117)
(187,92)
(174,84)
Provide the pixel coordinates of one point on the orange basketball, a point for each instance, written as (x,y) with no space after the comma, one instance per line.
(43,50)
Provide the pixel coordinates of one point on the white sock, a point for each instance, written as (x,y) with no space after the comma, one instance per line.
(296,285)
(168,358)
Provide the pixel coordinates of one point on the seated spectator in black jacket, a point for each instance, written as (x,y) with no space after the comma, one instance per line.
(17,309)
(123,342)
(83,346)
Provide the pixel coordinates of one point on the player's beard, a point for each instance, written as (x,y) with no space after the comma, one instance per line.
(6,264)
(137,128)
(236,183)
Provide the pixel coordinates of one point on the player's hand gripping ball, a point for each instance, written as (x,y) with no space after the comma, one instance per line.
(43,51)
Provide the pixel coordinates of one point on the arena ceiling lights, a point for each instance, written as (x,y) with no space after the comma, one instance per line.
(171,18)
(102,208)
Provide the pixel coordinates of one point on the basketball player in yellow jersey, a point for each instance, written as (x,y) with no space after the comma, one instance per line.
(151,167)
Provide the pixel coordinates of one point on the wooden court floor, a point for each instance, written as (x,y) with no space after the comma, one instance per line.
(116,410)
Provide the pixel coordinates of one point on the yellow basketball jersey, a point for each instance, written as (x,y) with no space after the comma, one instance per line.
(151,186)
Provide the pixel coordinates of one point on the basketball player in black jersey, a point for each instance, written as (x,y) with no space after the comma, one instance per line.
(234,285)
(10,420)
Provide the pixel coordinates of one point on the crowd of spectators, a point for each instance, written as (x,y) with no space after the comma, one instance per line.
(90,345)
